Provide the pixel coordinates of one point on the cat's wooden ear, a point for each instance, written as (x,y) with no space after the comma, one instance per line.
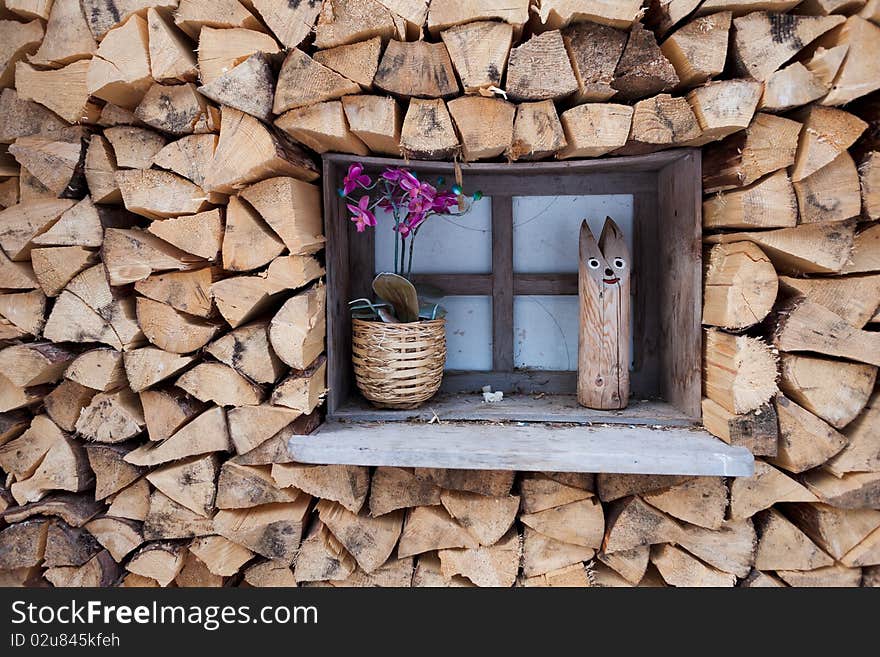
(612,243)
(588,249)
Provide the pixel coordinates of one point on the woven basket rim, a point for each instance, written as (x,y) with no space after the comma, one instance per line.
(379,322)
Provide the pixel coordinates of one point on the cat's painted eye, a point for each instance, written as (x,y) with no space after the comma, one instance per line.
(619,263)
(593,263)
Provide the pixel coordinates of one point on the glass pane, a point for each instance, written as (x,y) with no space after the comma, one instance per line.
(545,332)
(468,333)
(545,228)
(444,245)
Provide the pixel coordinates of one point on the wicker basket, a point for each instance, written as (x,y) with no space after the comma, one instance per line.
(398,365)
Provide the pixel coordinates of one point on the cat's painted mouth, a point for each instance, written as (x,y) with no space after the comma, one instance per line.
(610,281)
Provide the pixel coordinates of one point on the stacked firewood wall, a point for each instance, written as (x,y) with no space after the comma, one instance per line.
(162,310)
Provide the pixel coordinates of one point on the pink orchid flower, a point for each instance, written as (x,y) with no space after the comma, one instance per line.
(361,214)
(355,178)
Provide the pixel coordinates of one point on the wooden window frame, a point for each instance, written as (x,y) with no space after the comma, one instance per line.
(667,203)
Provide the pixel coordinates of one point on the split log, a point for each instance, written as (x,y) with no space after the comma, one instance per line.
(430,528)
(615,486)
(23,314)
(75,510)
(171,56)
(120,70)
(275,449)
(427,131)
(767,145)
(34,363)
(542,554)
(247,350)
(768,203)
(186,291)
(807,249)
(205,434)
(292,209)
(791,87)
(539,69)
(346,484)
(133,255)
(131,580)
(13,396)
(64,467)
(836,531)
(250,426)
(860,453)
(159,194)
(857,75)
(171,330)
(132,502)
(22,456)
(21,223)
(248,87)
(485,126)
(764,41)
(369,540)
(222,557)
(826,62)
(723,107)
(493,483)
(537,131)
(802,325)
(398,488)
(570,576)
(757,579)
(631,523)
(64,90)
(698,50)
(485,566)
(100,171)
(827,133)
(805,441)
(448,13)
(322,127)
(866,553)
(160,561)
(578,523)
(168,520)
(594,129)
(165,411)
(25,118)
(249,152)
(629,564)
(303,81)
(594,51)
(757,430)
(68,546)
(55,267)
(220,384)
(782,546)
(189,482)
(479,53)
(195,16)
(81,225)
(134,147)
(416,69)
(12,425)
(659,122)
(376,121)
(396,573)
(487,519)
(200,234)
(65,403)
(269,573)
(111,417)
(428,573)
(869,175)
(99,571)
(643,69)
(57,165)
(248,243)
(678,568)
(539,493)
(271,530)
(118,536)
(854,490)
(730,548)
(19,41)
(558,13)
(830,194)
(739,286)
(112,473)
(223,49)
(241,298)
(739,372)
(342,22)
(865,255)
(700,501)
(16,275)
(835,391)
(296,332)
(244,486)
(767,487)
(835,576)
(190,156)
(290,22)
(177,109)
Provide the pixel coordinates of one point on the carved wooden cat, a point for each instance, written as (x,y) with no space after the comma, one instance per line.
(604,341)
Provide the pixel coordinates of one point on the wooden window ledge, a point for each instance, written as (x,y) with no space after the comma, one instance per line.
(494,442)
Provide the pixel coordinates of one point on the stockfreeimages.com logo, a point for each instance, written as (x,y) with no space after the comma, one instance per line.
(209,617)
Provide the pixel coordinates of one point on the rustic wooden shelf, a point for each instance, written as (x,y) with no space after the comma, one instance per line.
(529,447)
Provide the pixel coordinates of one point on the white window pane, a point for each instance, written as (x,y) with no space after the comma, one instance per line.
(545,228)
(545,332)
(444,245)
(468,333)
